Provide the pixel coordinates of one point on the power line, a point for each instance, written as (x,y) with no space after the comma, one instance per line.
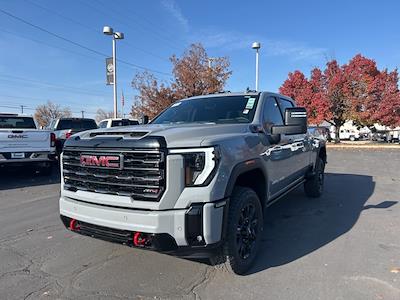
(52,85)
(77,44)
(51,11)
(32,109)
(75,103)
(54,12)
(111,10)
(152,24)
(46,44)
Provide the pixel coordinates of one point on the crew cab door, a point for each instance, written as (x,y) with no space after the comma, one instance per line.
(299,150)
(277,152)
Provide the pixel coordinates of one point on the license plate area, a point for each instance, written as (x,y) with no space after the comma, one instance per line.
(17,155)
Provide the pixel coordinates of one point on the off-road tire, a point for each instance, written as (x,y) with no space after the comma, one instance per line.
(314,186)
(241,246)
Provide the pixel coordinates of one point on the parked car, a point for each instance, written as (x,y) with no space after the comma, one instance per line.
(22,144)
(108,123)
(197,180)
(378,137)
(64,128)
(347,134)
(321,132)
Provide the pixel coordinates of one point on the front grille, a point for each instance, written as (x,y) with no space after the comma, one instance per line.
(142,176)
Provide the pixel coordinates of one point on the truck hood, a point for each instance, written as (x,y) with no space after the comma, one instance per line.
(176,136)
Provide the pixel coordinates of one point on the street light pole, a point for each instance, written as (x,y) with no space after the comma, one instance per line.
(114,54)
(257,72)
(257,46)
(107,30)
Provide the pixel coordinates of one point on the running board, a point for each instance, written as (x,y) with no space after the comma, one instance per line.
(285,192)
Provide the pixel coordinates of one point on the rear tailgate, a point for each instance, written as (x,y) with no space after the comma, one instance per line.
(24,140)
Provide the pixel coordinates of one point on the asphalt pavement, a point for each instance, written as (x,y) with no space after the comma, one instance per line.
(344,245)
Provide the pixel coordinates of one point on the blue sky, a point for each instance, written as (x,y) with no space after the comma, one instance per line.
(36,67)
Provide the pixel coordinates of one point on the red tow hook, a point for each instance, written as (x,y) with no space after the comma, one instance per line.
(73,225)
(139,240)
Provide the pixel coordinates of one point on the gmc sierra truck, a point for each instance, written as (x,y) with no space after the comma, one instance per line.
(195,181)
(22,144)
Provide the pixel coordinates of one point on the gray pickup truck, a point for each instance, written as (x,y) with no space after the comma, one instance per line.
(195,181)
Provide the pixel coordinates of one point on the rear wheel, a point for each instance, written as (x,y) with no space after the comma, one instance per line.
(314,186)
(245,226)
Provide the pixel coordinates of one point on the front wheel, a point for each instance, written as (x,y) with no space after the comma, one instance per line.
(245,226)
(314,186)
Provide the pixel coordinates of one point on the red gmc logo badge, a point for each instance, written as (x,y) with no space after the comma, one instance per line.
(101,161)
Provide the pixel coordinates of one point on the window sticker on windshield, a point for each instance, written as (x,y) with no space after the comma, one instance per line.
(246,111)
(176,104)
(250,103)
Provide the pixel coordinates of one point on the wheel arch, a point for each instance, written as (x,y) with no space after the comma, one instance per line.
(322,154)
(250,174)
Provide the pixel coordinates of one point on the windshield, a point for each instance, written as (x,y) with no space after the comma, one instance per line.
(224,109)
(17,122)
(124,122)
(76,124)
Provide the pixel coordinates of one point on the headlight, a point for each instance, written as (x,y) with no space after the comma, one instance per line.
(200,164)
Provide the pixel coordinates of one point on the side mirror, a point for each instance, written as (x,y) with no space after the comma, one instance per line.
(145,119)
(295,122)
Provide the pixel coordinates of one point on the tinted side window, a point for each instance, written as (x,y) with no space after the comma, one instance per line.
(103,124)
(64,124)
(117,123)
(17,122)
(283,105)
(89,124)
(132,122)
(271,114)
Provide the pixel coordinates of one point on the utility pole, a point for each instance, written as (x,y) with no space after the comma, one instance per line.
(83,113)
(22,109)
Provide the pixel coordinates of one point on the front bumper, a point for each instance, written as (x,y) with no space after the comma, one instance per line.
(31,157)
(195,228)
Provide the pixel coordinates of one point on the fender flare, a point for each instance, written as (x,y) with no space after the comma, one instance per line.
(243,167)
(322,153)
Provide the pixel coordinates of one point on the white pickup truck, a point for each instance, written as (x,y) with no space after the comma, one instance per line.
(21,143)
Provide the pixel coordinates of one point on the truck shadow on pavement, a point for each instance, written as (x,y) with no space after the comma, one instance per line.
(20,177)
(296,225)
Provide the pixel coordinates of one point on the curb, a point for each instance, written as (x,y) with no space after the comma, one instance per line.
(364,146)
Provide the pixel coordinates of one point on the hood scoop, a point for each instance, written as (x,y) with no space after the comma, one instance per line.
(135,134)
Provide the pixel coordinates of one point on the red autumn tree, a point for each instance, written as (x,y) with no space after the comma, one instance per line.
(193,76)
(299,88)
(386,97)
(335,95)
(360,73)
(357,91)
